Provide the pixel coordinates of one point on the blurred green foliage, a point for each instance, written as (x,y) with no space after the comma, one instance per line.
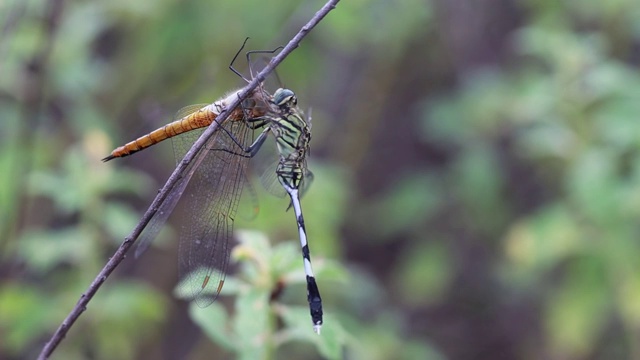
(253,333)
(476,192)
(569,113)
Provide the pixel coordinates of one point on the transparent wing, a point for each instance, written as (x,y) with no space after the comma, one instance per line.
(208,210)
(306,182)
(187,110)
(167,207)
(249,207)
(270,182)
(160,217)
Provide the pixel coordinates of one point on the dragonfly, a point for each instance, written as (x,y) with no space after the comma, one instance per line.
(195,117)
(213,184)
(292,132)
(200,116)
(291,128)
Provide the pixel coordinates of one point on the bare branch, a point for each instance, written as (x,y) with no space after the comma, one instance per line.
(119,255)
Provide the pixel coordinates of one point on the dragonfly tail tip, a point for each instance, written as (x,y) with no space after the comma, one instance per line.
(110,157)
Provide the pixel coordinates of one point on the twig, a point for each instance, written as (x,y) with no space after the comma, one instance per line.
(119,255)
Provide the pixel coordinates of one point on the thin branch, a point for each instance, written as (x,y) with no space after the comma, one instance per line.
(119,255)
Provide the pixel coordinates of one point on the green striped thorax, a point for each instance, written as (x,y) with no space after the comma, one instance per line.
(291,130)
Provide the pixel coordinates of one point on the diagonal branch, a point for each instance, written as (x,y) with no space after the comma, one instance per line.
(119,255)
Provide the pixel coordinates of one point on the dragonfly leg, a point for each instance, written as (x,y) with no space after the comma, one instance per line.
(257,123)
(257,144)
(234,60)
(248,54)
(253,149)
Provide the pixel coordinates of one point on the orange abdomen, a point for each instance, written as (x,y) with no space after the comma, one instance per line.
(202,117)
(199,119)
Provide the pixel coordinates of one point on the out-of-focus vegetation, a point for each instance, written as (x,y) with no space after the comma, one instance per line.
(477,188)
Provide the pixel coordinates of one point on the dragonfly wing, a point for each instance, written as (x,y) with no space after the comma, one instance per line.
(160,217)
(249,207)
(269,179)
(186,111)
(307,180)
(210,202)
(270,182)
(166,208)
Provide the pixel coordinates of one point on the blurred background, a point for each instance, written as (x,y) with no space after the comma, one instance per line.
(476,192)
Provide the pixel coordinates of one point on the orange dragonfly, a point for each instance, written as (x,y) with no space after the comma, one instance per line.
(211,187)
(194,117)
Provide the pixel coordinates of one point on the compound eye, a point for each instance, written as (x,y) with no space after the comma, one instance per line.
(284,98)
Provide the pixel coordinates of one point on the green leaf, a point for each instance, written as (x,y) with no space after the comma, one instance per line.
(22,310)
(577,310)
(425,274)
(331,340)
(253,324)
(213,320)
(539,243)
(127,314)
(45,250)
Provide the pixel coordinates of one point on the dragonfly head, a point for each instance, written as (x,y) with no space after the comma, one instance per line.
(285,98)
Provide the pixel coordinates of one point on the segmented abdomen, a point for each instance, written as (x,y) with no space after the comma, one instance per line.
(197,120)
